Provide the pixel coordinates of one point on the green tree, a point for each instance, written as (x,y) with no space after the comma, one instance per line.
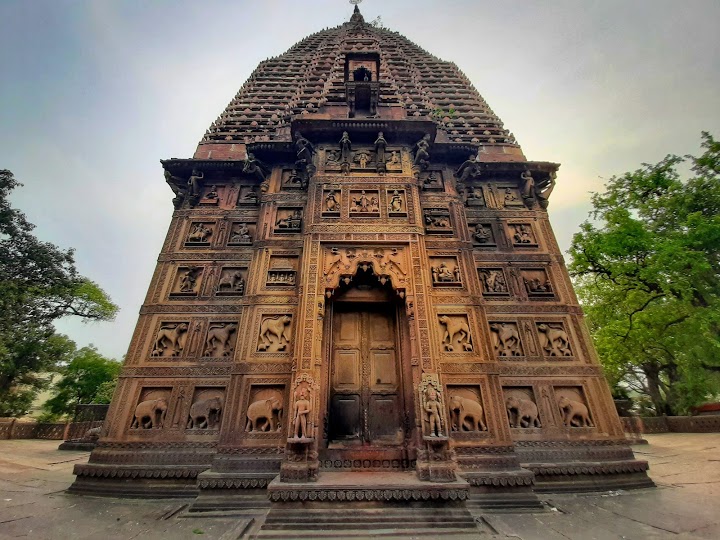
(38,285)
(87,374)
(647,271)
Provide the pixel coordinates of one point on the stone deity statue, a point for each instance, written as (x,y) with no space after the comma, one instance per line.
(345,148)
(380,146)
(301,411)
(432,408)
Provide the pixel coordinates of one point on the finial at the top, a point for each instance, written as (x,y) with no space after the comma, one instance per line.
(356,16)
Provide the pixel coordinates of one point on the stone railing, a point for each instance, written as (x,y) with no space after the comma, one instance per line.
(635,425)
(15,428)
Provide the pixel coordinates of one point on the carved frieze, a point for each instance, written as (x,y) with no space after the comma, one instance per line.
(200,234)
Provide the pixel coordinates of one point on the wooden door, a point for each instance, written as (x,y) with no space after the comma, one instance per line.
(365,404)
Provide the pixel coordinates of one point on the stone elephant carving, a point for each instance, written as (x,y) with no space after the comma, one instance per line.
(275,331)
(574,413)
(522,413)
(264,415)
(205,414)
(455,326)
(150,414)
(168,337)
(466,414)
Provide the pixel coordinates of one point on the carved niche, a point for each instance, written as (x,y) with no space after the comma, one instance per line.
(573,406)
(206,409)
(455,331)
(364,203)
(432,406)
(232,281)
(302,397)
(200,234)
(506,338)
(340,264)
(220,339)
(482,235)
(432,181)
(266,409)
(554,340)
(274,334)
(394,161)
(151,408)
(170,339)
(465,409)
(248,195)
(445,271)
(288,220)
(397,203)
(510,196)
(493,282)
(282,271)
(290,179)
(187,281)
(241,233)
(331,203)
(437,221)
(537,283)
(521,407)
(475,196)
(522,234)
(211,195)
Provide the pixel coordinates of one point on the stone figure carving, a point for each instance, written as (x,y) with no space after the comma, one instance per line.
(466,414)
(456,327)
(218,342)
(332,157)
(199,233)
(293,221)
(396,203)
(365,204)
(432,181)
(362,159)
(345,148)
(331,202)
(522,413)
(188,279)
(301,411)
(507,339)
(475,196)
(169,339)
(574,413)
(179,188)
(510,198)
(150,414)
(194,185)
(239,234)
(522,235)
(264,415)
(274,333)
(433,411)
(543,192)
(252,196)
(212,194)
(254,167)
(482,234)
(469,169)
(494,281)
(528,187)
(437,222)
(535,285)
(394,161)
(205,414)
(380,146)
(443,274)
(304,167)
(422,153)
(557,342)
(232,281)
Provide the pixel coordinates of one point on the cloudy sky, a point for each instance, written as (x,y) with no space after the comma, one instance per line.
(94,93)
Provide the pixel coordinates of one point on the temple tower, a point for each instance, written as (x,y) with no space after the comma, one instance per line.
(359,275)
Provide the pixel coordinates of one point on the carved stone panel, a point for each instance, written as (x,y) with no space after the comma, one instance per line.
(537,283)
(437,221)
(522,234)
(288,220)
(170,339)
(521,407)
(445,272)
(265,413)
(248,195)
(554,340)
(186,282)
(331,203)
(241,233)
(506,338)
(341,263)
(200,234)
(573,407)
(274,333)
(220,339)
(206,409)
(475,196)
(482,235)
(290,179)
(282,271)
(455,332)
(212,195)
(432,181)
(397,203)
(364,203)
(466,412)
(510,196)
(232,281)
(493,282)
(151,408)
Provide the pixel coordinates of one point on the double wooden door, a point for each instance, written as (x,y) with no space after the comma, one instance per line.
(365,397)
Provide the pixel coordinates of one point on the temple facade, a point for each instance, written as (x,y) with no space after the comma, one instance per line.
(359,276)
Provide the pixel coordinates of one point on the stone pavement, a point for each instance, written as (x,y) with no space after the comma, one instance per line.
(686,504)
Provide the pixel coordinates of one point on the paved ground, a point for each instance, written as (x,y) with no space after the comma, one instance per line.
(686,504)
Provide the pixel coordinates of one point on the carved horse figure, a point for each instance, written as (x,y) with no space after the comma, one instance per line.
(453,327)
(558,343)
(508,339)
(218,338)
(275,330)
(168,337)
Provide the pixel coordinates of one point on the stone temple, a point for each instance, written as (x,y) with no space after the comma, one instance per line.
(360,298)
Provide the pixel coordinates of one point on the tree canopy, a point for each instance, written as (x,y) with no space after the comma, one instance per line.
(647,270)
(38,285)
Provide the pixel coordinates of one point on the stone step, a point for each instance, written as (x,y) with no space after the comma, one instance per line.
(385,534)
